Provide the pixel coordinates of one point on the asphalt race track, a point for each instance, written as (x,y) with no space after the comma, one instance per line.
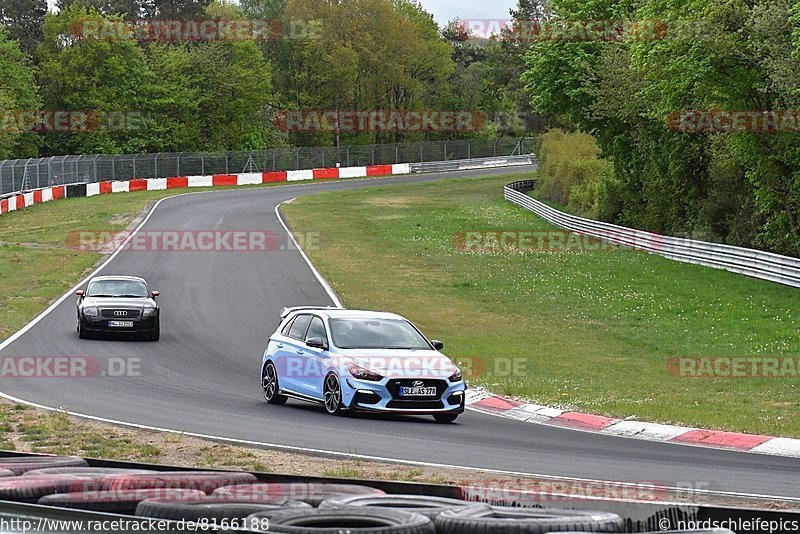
(218,310)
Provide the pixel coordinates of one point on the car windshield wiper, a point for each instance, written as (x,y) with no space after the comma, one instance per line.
(132,296)
(100,296)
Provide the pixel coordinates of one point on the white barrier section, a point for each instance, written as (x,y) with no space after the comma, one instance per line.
(28,199)
(12,203)
(156,184)
(47,194)
(353,172)
(201,181)
(249,178)
(293,176)
(92,189)
(120,187)
(402,168)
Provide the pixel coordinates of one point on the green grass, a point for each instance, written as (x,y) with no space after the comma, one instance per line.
(593,330)
(55,433)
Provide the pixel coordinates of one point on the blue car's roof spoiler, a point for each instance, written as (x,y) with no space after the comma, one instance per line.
(286,311)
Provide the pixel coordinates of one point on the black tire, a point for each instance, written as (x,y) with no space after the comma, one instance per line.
(97,473)
(273,397)
(82,333)
(430,507)
(350,520)
(23,464)
(311,493)
(116,501)
(31,489)
(445,417)
(212,507)
(511,520)
(205,481)
(155,335)
(332,393)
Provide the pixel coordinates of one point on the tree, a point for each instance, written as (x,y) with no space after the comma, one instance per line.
(23,21)
(18,93)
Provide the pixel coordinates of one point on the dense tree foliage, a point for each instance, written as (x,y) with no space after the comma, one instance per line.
(737,184)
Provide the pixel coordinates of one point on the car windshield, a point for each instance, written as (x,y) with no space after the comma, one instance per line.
(376,334)
(118,288)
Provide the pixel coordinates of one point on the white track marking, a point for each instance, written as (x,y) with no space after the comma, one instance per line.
(328,289)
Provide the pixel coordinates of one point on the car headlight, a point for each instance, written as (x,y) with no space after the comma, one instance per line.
(456,377)
(362,374)
(91,311)
(149,312)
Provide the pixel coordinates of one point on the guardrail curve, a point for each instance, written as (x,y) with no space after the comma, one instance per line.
(754,263)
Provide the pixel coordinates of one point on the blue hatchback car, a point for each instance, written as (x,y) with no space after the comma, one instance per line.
(360,361)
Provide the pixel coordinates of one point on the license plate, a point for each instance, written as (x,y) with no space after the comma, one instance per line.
(120,324)
(418,392)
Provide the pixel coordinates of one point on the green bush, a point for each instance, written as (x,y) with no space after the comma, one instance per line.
(572,174)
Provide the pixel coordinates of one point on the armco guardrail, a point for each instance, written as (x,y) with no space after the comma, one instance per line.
(755,263)
(473,164)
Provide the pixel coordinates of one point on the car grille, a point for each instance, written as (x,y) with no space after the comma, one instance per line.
(111,313)
(415,405)
(394,388)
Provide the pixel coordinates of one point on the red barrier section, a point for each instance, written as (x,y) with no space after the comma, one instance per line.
(326,174)
(278,176)
(59,192)
(177,181)
(37,196)
(224,179)
(4,205)
(105,188)
(20,202)
(379,170)
(138,185)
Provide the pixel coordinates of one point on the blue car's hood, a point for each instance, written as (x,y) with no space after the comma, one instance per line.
(398,363)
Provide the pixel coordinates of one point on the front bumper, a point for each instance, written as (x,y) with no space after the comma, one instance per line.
(382,396)
(100,325)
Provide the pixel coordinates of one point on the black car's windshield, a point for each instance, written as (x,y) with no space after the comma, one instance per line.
(118,288)
(376,334)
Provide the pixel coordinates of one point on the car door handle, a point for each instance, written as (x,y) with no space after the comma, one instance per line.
(300,351)
(280,345)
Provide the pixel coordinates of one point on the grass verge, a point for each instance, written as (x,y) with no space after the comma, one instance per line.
(590,331)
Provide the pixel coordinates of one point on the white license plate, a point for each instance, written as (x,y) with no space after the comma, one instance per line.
(120,324)
(418,392)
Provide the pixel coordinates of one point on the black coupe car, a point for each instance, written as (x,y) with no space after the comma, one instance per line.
(118,305)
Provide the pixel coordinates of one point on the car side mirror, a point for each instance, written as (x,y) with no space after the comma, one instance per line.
(155,293)
(317,343)
(80,292)
(437,345)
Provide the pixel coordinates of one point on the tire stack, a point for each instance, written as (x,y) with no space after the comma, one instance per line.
(239,501)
